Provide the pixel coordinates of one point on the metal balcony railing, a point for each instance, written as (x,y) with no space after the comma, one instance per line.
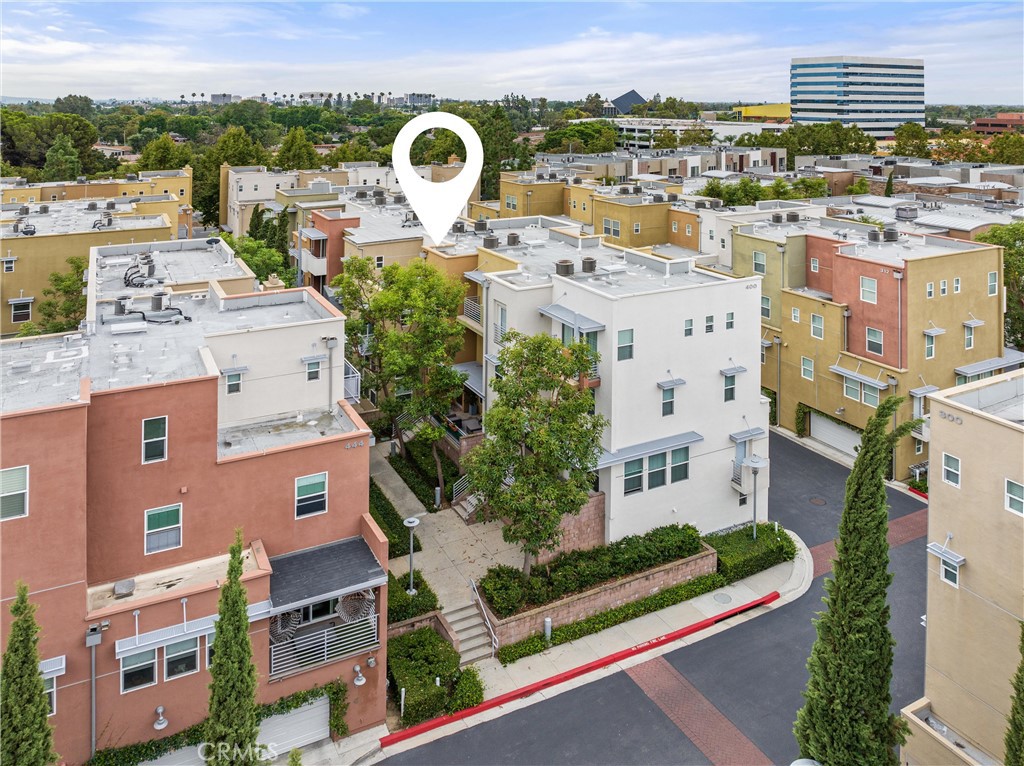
(364,344)
(922,431)
(471,309)
(737,472)
(499,334)
(323,646)
(353,383)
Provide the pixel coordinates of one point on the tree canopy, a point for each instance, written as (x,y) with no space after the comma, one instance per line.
(912,140)
(1011,238)
(818,138)
(297,152)
(164,154)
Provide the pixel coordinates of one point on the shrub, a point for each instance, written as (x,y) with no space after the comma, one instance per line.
(402,606)
(504,587)
(468,691)
(414,481)
(414,661)
(921,485)
(391,523)
(739,556)
(422,458)
(381,428)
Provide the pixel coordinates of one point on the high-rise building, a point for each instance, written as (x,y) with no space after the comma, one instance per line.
(875,94)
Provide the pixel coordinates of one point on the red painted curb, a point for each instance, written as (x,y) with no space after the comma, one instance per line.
(580,670)
(918,492)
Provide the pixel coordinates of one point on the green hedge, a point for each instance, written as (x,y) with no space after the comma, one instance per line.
(402,606)
(921,485)
(391,524)
(422,458)
(739,556)
(507,590)
(414,481)
(773,416)
(669,596)
(414,661)
(381,428)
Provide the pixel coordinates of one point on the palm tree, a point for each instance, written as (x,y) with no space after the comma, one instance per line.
(183,97)
(263,96)
(275,96)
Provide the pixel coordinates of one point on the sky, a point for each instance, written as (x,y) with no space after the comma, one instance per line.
(698,51)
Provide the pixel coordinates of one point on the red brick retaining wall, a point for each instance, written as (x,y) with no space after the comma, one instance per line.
(434,620)
(581,532)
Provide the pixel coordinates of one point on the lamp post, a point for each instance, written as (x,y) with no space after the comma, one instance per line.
(411,524)
(755,463)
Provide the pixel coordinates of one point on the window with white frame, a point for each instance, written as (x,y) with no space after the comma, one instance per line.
(181,658)
(869,395)
(918,447)
(929,346)
(680,469)
(633,476)
(943,287)
(689,230)
(951,469)
(764,354)
(1014,496)
(312,371)
(709,323)
(760,262)
(584,207)
(817,326)
(511,202)
(766,307)
(729,387)
(14,493)
(234,382)
(956,284)
(378,262)
(722,242)
(675,227)
(209,648)
(574,204)
(869,290)
(814,265)
(794,314)
(806,368)
(950,573)
(968,337)
(311,495)
(656,470)
(993,283)
(636,227)
(851,389)
(163,528)
(138,670)
(611,227)
(730,320)
(668,401)
(687,328)
(154,439)
(874,340)
(625,346)
(8,265)
(21,311)
(711,234)
(929,290)
(50,690)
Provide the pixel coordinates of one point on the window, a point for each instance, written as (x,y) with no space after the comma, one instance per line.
(668,401)
(181,658)
(13,493)
(929,346)
(625,349)
(379,261)
(311,495)
(794,314)
(163,529)
(680,464)
(1014,496)
(869,290)
(968,337)
(574,204)
(234,382)
(851,389)
(722,243)
(918,447)
(656,471)
(9,266)
(874,338)
(730,320)
(730,388)
(817,326)
(687,328)
(760,263)
(951,469)
(766,307)
(870,396)
(675,227)
(636,228)
(633,477)
(312,371)
(929,290)
(511,202)
(956,284)
(993,283)
(943,287)
(764,355)
(138,670)
(50,690)
(689,230)
(709,323)
(154,439)
(951,573)
(806,368)
(21,311)
(711,234)
(743,500)
(814,265)
(611,228)
(584,207)
(321,610)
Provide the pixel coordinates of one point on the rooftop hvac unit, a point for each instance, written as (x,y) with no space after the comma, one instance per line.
(360,194)
(564,268)
(552,176)
(513,239)
(379,201)
(44,208)
(399,199)
(715,203)
(577,180)
(874,236)
(672,197)
(21,182)
(623,190)
(80,180)
(91,206)
(638,189)
(131,177)
(589,264)
(24,210)
(793,217)
(275,170)
(378,192)
(906,213)
(491,242)
(28,229)
(111,204)
(701,204)
(658,198)
(121,304)
(159,300)
(458,227)
(891,235)
(777,217)
(480,226)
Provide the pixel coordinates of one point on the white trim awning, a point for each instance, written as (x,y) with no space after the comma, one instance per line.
(881,385)
(53,667)
(933,331)
(648,448)
(312,233)
(923,390)
(765,343)
(944,553)
(234,370)
(568,316)
(24,299)
(493,359)
(314,358)
(974,322)
(673,383)
(733,370)
(1011,356)
(474,372)
(750,433)
(192,628)
(474,276)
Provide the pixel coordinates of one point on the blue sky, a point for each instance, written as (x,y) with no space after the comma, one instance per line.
(718,51)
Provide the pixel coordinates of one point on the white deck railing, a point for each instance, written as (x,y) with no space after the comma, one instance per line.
(323,646)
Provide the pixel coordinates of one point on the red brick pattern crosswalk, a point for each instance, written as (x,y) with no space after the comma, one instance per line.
(903,530)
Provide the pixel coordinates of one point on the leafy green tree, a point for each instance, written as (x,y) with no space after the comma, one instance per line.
(581,138)
(351,151)
(297,152)
(1008,148)
(1011,238)
(71,104)
(62,163)
(164,154)
(778,189)
(961,147)
(1014,740)
(233,724)
(295,757)
(27,737)
(911,141)
(142,139)
(256,223)
(845,720)
(235,147)
(542,436)
(665,139)
(817,138)
(860,186)
(889,184)
(810,187)
(593,105)
(696,137)
(261,258)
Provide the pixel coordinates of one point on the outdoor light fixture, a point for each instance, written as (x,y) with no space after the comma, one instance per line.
(840,410)
(360,679)
(161,722)
(411,523)
(371,661)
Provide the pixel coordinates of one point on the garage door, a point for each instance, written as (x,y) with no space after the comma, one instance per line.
(829,432)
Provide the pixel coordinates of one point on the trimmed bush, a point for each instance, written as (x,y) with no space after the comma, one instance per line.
(468,691)
(507,591)
(422,458)
(921,485)
(402,606)
(414,481)
(739,556)
(390,522)
(381,428)
(415,660)
(673,595)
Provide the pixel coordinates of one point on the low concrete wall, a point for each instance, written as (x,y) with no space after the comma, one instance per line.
(434,620)
(603,598)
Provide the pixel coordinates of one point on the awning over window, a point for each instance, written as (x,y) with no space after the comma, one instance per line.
(765,343)
(1010,357)
(570,317)
(933,331)
(874,383)
(946,554)
(750,433)
(923,390)
(648,448)
(24,299)
(673,383)
(475,276)
(53,667)
(493,359)
(322,573)
(733,370)
(233,370)
(474,376)
(312,233)
(181,630)
(974,322)
(314,358)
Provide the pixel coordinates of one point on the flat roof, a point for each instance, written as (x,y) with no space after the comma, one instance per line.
(281,431)
(75,219)
(1001,398)
(12,182)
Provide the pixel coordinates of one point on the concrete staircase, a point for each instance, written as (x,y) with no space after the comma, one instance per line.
(469,626)
(466,508)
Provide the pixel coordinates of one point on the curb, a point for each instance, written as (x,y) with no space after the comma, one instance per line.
(530,689)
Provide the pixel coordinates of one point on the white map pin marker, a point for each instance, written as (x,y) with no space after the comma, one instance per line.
(437,204)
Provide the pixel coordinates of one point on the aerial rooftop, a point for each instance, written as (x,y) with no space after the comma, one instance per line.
(72,217)
(1001,398)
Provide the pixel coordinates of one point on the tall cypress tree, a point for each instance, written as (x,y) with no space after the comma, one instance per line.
(233,724)
(1014,741)
(845,720)
(27,738)
(888,184)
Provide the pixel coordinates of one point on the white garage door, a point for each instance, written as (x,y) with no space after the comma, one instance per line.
(828,432)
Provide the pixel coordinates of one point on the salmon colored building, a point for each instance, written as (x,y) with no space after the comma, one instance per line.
(133,449)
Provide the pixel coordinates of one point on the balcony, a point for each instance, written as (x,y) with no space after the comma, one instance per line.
(364,343)
(319,646)
(923,431)
(353,383)
(313,265)
(499,334)
(472,315)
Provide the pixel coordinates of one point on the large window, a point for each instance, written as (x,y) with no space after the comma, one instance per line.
(929,346)
(636,228)
(656,471)
(760,262)
(154,439)
(181,658)
(680,464)
(956,284)
(851,389)
(950,469)
(21,311)
(766,307)
(611,227)
(929,290)
(511,202)
(138,670)
(943,287)
(1014,496)
(312,371)
(794,314)
(730,387)
(709,323)
(950,573)
(13,493)
(870,396)
(817,326)
(668,401)
(993,283)
(874,338)
(806,368)
(625,347)
(633,476)
(311,494)
(869,290)
(814,265)
(968,337)
(234,382)
(163,528)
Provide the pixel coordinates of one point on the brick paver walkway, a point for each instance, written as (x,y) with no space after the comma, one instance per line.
(702,723)
(903,530)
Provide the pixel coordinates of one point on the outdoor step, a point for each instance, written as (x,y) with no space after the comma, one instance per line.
(468,658)
(472,631)
(464,621)
(465,647)
(459,610)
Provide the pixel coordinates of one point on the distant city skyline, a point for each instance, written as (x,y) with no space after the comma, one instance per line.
(731,51)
